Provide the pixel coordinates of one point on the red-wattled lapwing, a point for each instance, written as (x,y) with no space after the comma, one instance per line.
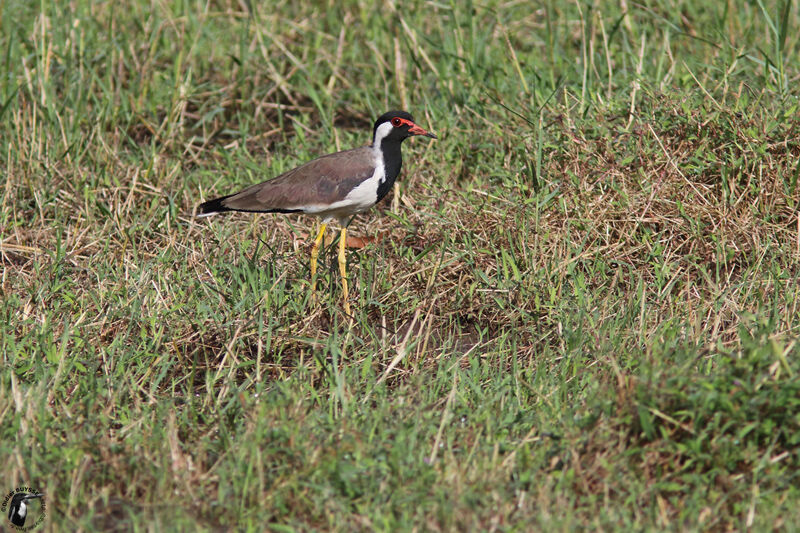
(335,186)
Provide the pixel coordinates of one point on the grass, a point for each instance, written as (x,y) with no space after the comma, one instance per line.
(580,309)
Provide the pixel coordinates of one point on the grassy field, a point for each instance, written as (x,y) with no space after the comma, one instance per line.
(579,309)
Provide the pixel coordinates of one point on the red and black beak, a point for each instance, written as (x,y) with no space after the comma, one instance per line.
(416,130)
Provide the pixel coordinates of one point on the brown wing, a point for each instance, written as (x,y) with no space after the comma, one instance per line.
(322,181)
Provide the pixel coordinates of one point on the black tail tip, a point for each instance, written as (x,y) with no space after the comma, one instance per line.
(210,207)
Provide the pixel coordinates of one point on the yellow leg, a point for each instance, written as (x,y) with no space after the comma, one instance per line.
(343,269)
(314,256)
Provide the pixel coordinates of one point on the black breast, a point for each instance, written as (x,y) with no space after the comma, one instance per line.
(392,162)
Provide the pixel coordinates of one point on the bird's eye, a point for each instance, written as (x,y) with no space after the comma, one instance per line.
(396,122)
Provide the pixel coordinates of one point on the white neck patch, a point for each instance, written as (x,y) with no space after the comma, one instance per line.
(381,133)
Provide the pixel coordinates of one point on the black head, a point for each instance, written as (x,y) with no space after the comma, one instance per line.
(402,127)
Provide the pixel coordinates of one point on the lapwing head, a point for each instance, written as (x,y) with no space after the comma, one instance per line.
(396,126)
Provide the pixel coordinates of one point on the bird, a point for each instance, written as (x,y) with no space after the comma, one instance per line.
(336,186)
(18,509)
